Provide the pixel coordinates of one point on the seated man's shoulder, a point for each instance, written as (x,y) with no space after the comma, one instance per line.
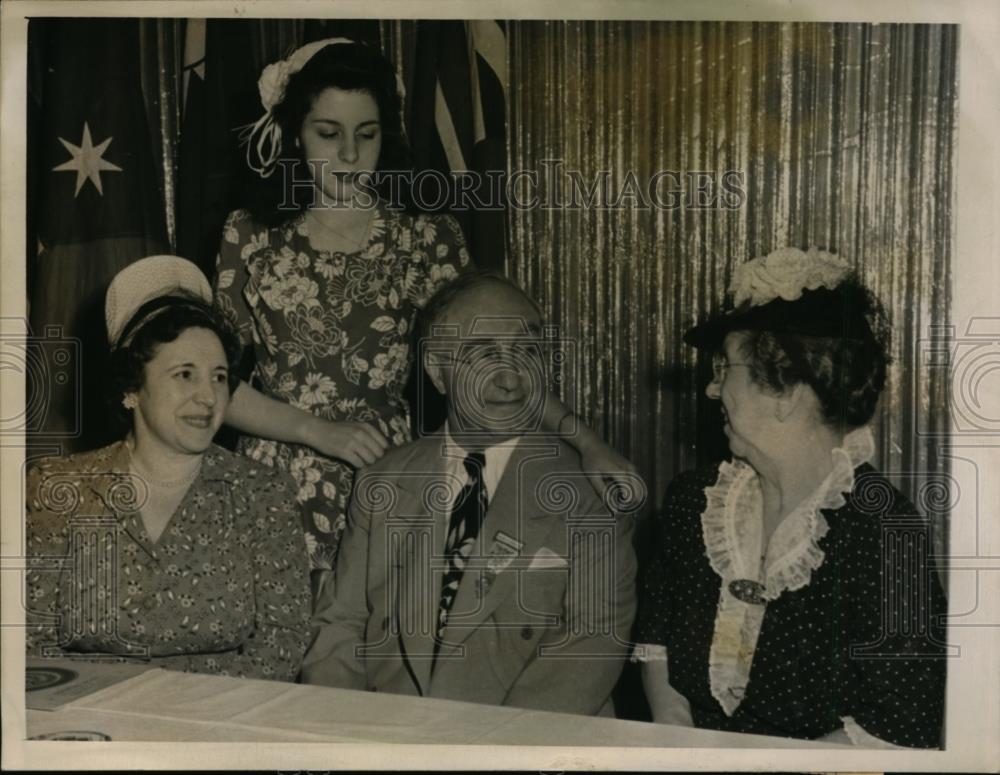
(550,451)
(419,457)
(420,454)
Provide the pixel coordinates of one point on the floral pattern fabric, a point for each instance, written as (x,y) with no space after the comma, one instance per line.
(223,590)
(331,334)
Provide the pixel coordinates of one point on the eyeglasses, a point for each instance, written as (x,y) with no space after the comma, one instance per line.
(719,366)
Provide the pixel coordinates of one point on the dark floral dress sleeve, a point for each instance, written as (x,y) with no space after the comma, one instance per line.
(281,594)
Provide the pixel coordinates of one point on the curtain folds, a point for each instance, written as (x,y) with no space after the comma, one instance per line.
(752,136)
(838,135)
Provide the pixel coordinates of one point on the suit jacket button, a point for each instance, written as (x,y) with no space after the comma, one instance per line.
(526,632)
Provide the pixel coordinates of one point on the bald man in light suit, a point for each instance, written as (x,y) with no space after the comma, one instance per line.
(478,563)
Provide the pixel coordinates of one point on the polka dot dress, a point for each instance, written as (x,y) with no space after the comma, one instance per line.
(861,640)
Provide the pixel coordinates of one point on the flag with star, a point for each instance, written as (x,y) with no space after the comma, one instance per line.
(96,197)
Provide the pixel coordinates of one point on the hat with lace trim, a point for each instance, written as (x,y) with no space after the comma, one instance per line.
(790,291)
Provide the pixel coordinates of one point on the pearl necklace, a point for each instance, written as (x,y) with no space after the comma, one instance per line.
(160,483)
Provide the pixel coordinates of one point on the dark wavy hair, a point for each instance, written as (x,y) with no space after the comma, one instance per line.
(346,66)
(126,364)
(847,374)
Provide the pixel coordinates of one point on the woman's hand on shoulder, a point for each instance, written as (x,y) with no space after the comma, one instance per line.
(356,443)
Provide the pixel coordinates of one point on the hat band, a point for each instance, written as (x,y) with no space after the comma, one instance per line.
(137,323)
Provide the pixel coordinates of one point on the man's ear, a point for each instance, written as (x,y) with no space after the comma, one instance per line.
(434,366)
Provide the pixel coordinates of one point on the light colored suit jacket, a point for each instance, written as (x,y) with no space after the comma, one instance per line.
(543,613)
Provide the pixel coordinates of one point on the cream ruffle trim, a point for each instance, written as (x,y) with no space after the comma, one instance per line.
(732,528)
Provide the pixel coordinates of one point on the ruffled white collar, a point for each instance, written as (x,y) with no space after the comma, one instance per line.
(732,527)
(732,523)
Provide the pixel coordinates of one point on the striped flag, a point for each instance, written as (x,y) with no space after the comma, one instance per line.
(218,95)
(458,121)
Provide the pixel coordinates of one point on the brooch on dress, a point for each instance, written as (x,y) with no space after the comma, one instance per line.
(748,591)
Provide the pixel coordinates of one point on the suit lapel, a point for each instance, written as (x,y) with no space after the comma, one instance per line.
(514,519)
(419,519)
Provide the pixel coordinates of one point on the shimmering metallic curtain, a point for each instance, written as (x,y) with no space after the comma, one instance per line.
(845,137)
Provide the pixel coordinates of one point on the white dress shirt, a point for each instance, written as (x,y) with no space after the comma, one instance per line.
(496,462)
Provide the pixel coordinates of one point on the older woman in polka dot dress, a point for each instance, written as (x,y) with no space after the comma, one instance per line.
(788,596)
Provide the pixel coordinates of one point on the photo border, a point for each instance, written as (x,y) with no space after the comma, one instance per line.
(973,690)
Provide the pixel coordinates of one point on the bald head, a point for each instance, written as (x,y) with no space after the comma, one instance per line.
(481,346)
(472,299)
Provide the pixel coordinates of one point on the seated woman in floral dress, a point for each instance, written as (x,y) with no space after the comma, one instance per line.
(163,546)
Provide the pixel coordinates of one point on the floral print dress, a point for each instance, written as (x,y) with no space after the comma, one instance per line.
(331,334)
(223,590)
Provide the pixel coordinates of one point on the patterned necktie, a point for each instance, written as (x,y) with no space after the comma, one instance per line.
(467,515)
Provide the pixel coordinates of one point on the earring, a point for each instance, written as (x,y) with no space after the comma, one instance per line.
(130,401)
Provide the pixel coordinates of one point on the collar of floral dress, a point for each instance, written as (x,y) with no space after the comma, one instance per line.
(106,474)
(732,528)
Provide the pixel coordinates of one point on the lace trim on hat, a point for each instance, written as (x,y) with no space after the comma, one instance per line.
(732,528)
(785,274)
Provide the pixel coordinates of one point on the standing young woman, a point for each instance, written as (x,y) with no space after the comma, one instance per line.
(325,283)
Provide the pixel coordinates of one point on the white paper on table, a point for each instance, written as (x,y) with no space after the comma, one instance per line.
(187,696)
(54,683)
